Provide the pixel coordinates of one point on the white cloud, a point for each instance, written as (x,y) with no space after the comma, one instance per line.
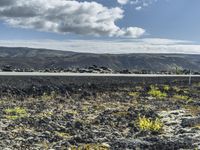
(112,46)
(133,32)
(123,2)
(66,16)
(139,4)
(138,8)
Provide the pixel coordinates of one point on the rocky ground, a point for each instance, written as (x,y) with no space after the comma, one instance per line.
(95,69)
(146,117)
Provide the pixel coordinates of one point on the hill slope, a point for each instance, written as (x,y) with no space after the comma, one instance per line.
(43,58)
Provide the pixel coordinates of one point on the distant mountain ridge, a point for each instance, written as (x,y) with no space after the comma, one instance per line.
(45,58)
(31,52)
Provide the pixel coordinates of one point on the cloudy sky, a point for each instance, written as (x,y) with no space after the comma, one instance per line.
(102,26)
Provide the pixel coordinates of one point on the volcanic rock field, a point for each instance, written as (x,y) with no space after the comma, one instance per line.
(99,113)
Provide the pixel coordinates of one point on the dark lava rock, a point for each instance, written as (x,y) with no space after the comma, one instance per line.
(78,125)
(130,144)
(152,143)
(190,122)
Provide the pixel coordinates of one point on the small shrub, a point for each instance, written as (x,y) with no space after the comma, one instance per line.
(193,110)
(155,92)
(99,107)
(121,113)
(166,87)
(44,114)
(133,94)
(181,97)
(91,147)
(15,113)
(71,112)
(63,135)
(48,97)
(146,124)
(176,89)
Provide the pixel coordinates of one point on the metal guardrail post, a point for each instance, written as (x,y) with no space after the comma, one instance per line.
(190,78)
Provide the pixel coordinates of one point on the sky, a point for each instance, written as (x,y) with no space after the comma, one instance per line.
(102,26)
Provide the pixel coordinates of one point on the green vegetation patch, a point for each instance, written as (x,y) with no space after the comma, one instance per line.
(15,113)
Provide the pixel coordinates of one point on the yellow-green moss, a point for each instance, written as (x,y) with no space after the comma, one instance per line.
(155,92)
(15,113)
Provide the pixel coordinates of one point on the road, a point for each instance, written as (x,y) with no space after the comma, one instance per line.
(88,74)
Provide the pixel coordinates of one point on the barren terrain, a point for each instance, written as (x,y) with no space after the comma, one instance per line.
(99,113)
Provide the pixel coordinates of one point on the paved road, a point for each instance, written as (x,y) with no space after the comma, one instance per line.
(88,74)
